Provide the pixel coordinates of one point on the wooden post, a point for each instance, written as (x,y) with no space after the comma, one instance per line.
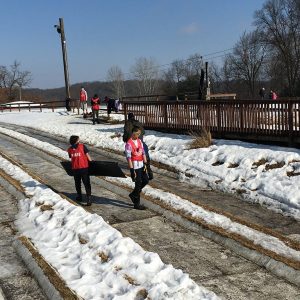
(241,109)
(29,107)
(10,107)
(218,117)
(125,110)
(52,107)
(19,107)
(40,106)
(291,123)
(165,115)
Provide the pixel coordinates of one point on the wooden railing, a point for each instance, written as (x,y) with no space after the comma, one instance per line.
(74,105)
(275,119)
(38,106)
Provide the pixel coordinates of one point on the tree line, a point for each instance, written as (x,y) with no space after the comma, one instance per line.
(268,56)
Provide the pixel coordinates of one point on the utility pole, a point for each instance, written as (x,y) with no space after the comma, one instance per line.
(60,29)
(207,82)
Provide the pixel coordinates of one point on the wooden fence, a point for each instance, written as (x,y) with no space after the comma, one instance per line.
(269,120)
(52,105)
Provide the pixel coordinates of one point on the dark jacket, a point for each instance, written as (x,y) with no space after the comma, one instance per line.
(129,124)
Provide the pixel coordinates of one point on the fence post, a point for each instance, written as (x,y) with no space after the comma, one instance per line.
(241,116)
(10,107)
(125,110)
(19,107)
(29,107)
(218,118)
(165,115)
(40,106)
(291,122)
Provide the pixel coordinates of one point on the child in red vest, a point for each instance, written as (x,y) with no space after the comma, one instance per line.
(95,102)
(137,161)
(83,97)
(80,159)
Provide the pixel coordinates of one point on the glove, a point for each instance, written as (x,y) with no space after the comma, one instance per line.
(132,174)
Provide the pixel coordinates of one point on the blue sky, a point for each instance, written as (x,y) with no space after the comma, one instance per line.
(101,34)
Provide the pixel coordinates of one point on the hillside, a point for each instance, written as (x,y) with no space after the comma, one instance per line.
(101,88)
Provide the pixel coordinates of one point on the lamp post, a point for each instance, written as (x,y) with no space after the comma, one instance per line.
(61,31)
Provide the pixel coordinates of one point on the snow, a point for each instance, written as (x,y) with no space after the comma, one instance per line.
(76,243)
(226,165)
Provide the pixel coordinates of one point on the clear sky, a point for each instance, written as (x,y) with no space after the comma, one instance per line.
(103,33)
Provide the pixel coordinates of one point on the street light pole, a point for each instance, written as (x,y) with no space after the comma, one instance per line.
(60,29)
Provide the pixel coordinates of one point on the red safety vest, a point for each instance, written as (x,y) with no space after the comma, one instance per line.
(95,103)
(137,151)
(82,96)
(78,157)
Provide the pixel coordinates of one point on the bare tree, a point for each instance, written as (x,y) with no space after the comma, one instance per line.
(4,77)
(23,79)
(193,65)
(184,75)
(146,72)
(246,60)
(279,22)
(116,76)
(14,77)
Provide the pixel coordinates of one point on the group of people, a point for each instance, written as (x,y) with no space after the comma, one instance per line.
(272,94)
(137,156)
(111,104)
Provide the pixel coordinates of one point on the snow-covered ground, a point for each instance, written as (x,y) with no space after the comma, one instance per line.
(259,173)
(180,204)
(94,259)
(226,165)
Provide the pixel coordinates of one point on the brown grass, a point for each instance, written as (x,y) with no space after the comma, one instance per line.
(276,165)
(292,173)
(82,240)
(141,295)
(260,162)
(104,258)
(217,163)
(233,165)
(45,207)
(130,279)
(201,139)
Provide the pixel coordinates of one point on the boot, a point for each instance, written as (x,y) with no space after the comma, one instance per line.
(79,198)
(133,199)
(88,201)
(139,207)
